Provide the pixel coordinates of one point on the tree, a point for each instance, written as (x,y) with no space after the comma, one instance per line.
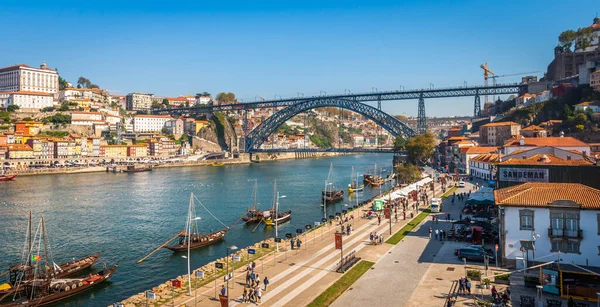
(62,83)
(94,86)
(156,105)
(226,97)
(399,143)
(407,173)
(420,148)
(12,108)
(165,102)
(202,94)
(566,39)
(83,82)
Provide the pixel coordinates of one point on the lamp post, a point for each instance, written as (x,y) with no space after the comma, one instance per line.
(233,247)
(276,213)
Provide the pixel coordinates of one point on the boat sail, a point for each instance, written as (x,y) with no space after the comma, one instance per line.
(274,217)
(330,194)
(253,215)
(190,235)
(353,185)
(25,271)
(44,288)
(373,180)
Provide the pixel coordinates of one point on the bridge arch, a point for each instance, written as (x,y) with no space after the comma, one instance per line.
(260,133)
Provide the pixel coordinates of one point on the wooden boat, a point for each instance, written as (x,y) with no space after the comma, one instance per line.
(330,193)
(8,177)
(218,164)
(353,185)
(41,292)
(281,218)
(253,215)
(137,169)
(197,240)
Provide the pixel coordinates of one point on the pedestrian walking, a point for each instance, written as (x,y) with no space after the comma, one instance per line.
(223,291)
(396,216)
(247,277)
(404,213)
(266,283)
(430,231)
(469,286)
(252,277)
(461,285)
(437,233)
(378,219)
(245,295)
(253,265)
(448,216)
(251,295)
(258,294)
(380,239)
(371,237)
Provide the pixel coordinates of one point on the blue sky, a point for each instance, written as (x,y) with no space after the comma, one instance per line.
(288,47)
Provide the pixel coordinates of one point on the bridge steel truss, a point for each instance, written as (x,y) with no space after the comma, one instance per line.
(261,133)
(421,94)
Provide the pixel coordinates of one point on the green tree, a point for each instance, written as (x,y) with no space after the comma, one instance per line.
(566,39)
(399,143)
(165,102)
(13,107)
(156,105)
(226,97)
(420,148)
(585,37)
(27,119)
(202,94)
(93,86)
(83,82)
(62,83)
(408,173)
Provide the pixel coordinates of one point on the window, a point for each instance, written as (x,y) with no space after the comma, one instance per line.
(527,245)
(557,223)
(557,246)
(598,218)
(526,219)
(572,225)
(572,247)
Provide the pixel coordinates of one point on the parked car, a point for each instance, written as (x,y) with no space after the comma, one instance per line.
(461,184)
(473,254)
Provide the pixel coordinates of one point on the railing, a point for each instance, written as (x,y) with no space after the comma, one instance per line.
(565,233)
(452,293)
(349,260)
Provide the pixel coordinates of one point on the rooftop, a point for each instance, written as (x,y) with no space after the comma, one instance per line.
(487,158)
(499,124)
(532,128)
(547,141)
(536,194)
(481,150)
(588,103)
(545,159)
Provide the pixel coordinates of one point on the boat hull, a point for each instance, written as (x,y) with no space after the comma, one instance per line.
(210,239)
(59,296)
(8,178)
(284,217)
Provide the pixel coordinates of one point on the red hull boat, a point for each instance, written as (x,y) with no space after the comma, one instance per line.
(8,177)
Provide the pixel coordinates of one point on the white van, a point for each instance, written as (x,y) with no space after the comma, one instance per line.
(436,205)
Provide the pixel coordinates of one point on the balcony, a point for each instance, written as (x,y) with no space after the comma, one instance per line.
(565,233)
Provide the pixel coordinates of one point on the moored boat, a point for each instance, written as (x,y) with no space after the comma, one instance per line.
(197,240)
(8,177)
(253,214)
(137,169)
(353,185)
(218,164)
(42,292)
(330,193)
(281,218)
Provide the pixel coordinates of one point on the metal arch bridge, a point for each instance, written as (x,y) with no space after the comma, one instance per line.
(466,91)
(260,134)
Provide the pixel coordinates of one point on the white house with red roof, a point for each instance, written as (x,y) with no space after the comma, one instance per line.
(25,78)
(566,143)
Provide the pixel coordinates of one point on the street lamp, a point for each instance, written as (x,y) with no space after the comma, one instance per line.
(233,247)
(276,213)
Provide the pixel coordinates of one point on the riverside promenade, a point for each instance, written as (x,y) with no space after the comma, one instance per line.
(298,276)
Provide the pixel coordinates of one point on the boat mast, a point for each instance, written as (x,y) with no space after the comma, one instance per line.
(45,243)
(276,195)
(255,188)
(353,180)
(189,240)
(30,240)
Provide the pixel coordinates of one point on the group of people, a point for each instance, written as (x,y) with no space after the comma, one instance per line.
(252,290)
(500,298)
(375,239)
(440,234)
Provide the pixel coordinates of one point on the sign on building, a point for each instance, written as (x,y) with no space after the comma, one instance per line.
(524,174)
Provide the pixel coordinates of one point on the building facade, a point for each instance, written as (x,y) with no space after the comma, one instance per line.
(536,222)
(495,134)
(26,100)
(25,78)
(483,166)
(150,123)
(566,143)
(138,102)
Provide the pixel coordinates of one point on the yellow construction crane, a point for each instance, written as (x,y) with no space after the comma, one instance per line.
(486,73)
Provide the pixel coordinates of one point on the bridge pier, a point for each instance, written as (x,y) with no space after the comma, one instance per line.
(421,119)
(477,105)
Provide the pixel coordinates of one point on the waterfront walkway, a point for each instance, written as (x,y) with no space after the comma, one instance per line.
(299,276)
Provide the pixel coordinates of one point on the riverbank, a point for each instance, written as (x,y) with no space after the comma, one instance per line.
(242,160)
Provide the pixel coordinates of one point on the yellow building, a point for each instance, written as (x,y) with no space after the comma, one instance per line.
(113,151)
(200,124)
(82,103)
(20,151)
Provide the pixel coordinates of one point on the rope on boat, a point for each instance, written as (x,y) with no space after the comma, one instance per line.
(210,212)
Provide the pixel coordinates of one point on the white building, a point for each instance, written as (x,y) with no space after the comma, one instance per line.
(482,166)
(25,78)
(566,143)
(203,100)
(174,126)
(592,105)
(472,152)
(524,100)
(26,100)
(138,102)
(94,94)
(543,96)
(150,123)
(86,118)
(539,220)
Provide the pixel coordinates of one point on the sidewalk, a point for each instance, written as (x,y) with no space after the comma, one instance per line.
(297,277)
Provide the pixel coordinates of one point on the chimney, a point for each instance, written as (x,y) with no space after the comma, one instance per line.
(43,66)
(522,141)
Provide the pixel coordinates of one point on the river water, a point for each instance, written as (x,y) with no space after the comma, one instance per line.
(126,216)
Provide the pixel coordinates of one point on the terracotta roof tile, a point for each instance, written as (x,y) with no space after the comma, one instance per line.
(546,159)
(532,128)
(486,158)
(535,194)
(548,141)
(498,124)
(481,150)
